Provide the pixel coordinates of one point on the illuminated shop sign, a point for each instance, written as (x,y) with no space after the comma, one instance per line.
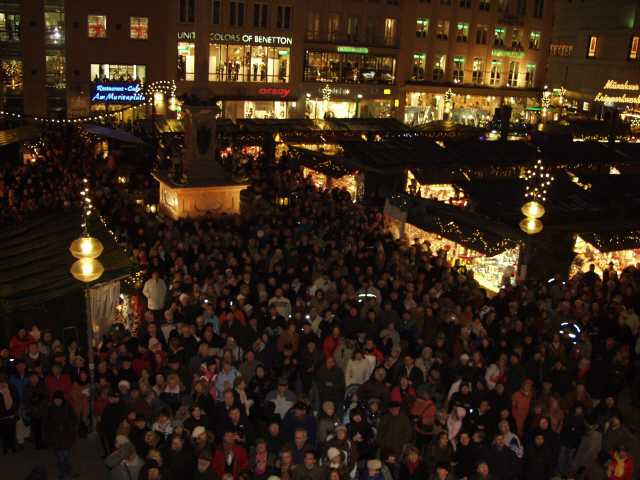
(276,92)
(614,92)
(187,36)
(633,49)
(348,49)
(499,52)
(250,38)
(117,92)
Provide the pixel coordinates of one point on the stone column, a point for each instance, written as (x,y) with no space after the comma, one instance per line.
(199,160)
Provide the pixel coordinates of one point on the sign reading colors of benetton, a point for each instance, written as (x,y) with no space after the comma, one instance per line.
(117,92)
(250,38)
(622,97)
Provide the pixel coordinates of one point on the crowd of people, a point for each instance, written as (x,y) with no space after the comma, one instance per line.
(305,342)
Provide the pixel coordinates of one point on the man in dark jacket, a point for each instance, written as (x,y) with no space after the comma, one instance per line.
(503,462)
(395,429)
(330,382)
(112,417)
(60,429)
(179,459)
(538,460)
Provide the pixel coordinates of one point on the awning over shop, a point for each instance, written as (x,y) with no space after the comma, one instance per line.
(470,229)
(20,134)
(113,133)
(35,260)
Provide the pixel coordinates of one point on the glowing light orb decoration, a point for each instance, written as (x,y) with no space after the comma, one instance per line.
(86,247)
(530,226)
(87,270)
(533,209)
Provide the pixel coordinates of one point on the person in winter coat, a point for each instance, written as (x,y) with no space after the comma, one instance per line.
(375,387)
(412,465)
(112,416)
(423,415)
(329,380)
(573,430)
(327,422)
(395,429)
(464,457)
(521,405)
(179,459)
(503,463)
(124,463)
(621,464)
(538,460)
(590,446)
(35,407)
(9,406)
(230,458)
(359,369)
(60,429)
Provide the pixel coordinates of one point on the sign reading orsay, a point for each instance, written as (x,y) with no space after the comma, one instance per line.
(117,92)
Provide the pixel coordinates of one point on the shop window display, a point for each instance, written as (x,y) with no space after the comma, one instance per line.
(334,67)
(11,76)
(102,72)
(186,67)
(248,63)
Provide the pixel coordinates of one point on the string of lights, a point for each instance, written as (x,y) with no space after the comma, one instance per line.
(166,87)
(538,182)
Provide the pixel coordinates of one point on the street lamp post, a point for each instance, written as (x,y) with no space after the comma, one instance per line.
(87,269)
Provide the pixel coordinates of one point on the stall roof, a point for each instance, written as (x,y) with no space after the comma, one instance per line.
(35,259)
(468,228)
(113,133)
(396,154)
(20,134)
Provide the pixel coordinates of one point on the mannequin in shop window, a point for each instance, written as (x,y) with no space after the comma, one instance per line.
(255,72)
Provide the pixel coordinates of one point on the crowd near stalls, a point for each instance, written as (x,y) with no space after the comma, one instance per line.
(309,344)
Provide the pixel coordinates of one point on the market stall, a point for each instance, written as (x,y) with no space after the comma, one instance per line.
(489,248)
(622,249)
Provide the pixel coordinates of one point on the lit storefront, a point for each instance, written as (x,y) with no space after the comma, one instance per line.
(465,109)
(442,192)
(330,101)
(352,183)
(248,63)
(622,253)
(354,65)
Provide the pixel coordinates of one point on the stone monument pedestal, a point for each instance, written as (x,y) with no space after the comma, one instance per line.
(209,189)
(197,199)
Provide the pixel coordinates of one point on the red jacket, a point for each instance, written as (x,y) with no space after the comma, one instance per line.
(240,461)
(54,384)
(615,463)
(329,346)
(18,347)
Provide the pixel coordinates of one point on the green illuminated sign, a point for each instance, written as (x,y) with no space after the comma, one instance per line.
(342,49)
(534,109)
(496,52)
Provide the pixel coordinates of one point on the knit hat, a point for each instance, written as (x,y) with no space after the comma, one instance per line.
(332,453)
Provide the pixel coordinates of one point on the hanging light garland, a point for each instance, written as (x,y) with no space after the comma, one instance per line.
(538,181)
(167,87)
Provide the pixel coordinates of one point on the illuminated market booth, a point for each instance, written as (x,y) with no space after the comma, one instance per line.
(622,249)
(489,248)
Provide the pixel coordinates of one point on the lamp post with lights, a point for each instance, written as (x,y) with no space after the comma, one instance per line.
(86,269)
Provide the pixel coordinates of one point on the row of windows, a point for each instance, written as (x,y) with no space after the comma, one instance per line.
(347,30)
(138,27)
(236,12)
(443,28)
(520,7)
(475,73)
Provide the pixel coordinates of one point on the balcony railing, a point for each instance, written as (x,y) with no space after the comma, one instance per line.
(341,38)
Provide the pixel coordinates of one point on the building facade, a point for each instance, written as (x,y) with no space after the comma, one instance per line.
(594,41)
(416,60)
